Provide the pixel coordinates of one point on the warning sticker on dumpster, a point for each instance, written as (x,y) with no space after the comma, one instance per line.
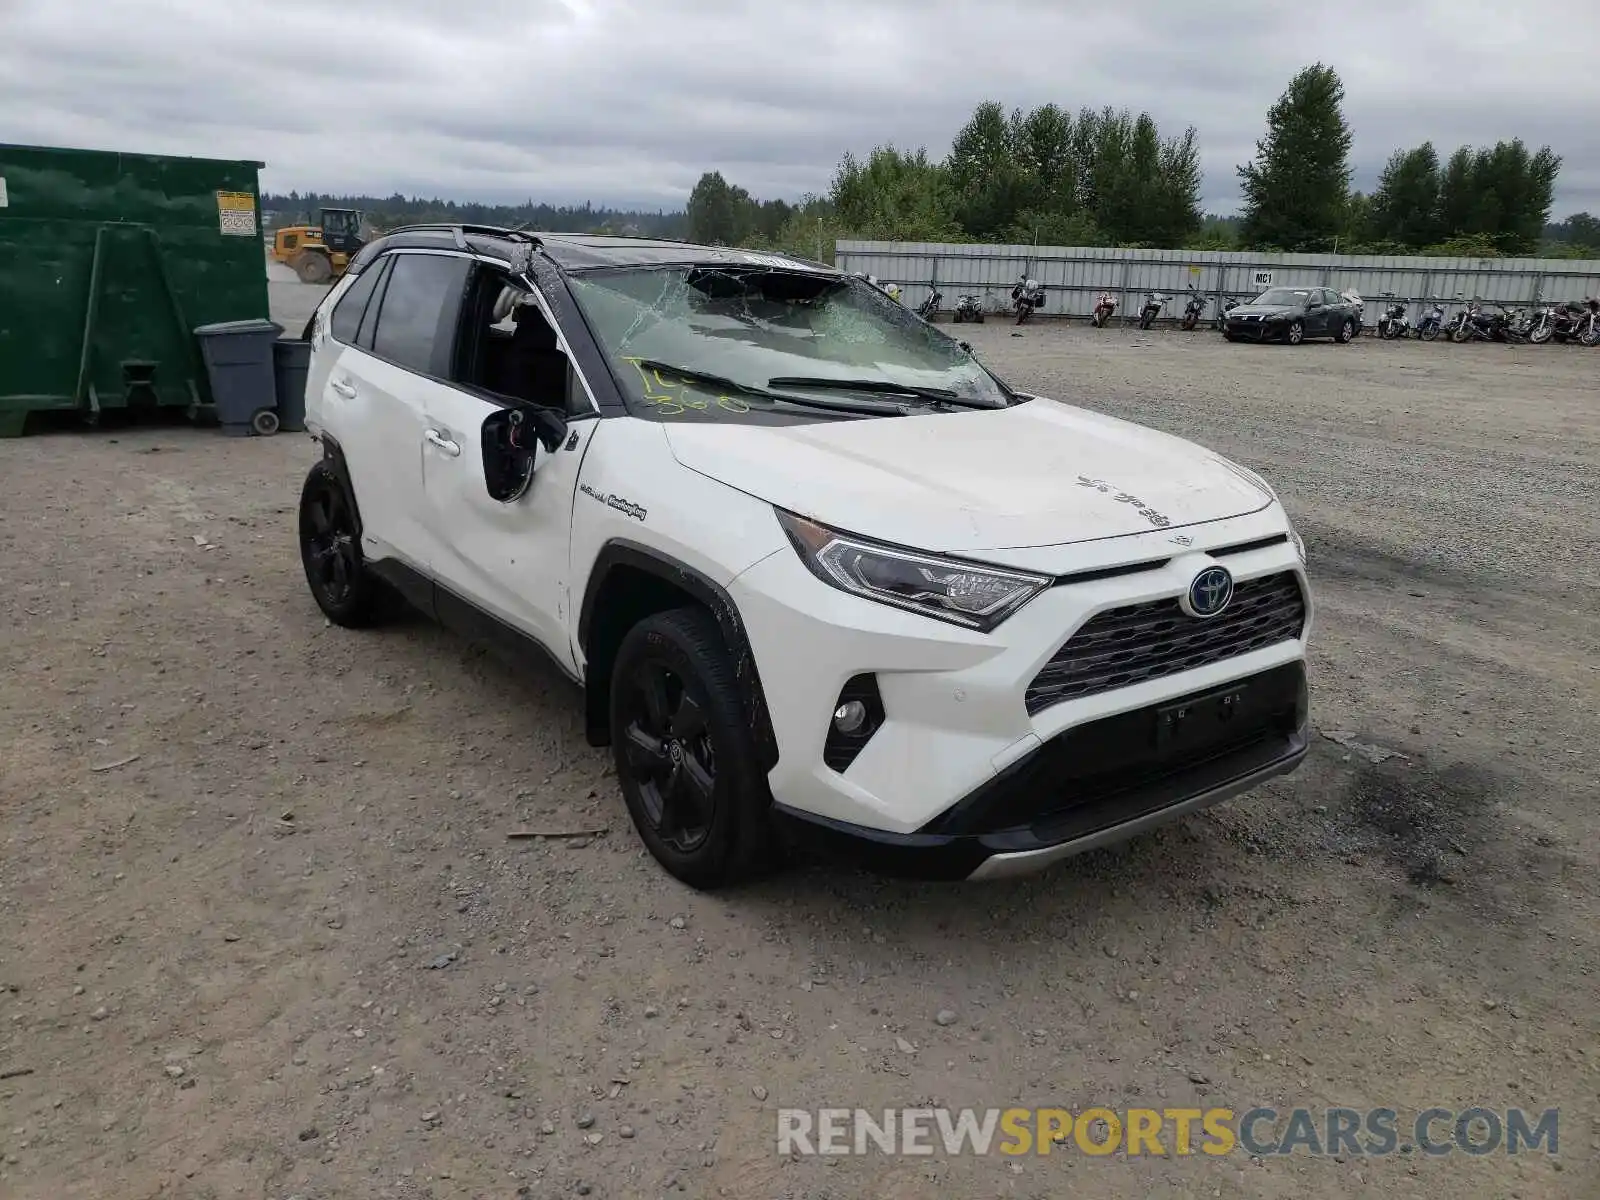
(4,202)
(236,214)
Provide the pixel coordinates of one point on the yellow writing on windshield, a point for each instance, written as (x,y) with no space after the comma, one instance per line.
(671,399)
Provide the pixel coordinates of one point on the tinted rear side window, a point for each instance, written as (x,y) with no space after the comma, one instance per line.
(417,323)
(346,322)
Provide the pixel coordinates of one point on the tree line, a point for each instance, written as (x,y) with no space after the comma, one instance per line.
(1100,177)
(389,212)
(1110,178)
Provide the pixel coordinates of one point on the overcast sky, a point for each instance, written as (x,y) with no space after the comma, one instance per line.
(628,101)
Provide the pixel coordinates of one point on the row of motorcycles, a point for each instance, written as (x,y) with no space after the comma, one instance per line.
(1479,322)
(1155,303)
(1569,322)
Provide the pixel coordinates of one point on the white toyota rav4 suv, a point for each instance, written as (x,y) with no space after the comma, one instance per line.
(824,578)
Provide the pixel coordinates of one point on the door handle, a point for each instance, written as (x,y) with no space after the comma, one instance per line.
(435,438)
(344,388)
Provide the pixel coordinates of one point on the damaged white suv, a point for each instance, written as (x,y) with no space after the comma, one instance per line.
(824,578)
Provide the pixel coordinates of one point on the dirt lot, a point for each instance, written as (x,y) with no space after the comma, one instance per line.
(262,933)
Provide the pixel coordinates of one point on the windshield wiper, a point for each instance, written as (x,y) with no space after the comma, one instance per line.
(886,387)
(747,389)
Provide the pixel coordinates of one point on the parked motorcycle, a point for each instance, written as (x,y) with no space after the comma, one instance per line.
(1468,325)
(929,308)
(1104,307)
(968,309)
(1026,296)
(1396,320)
(1587,331)
(1154,302)
(1193,308)
(1480,323)
(1432,322)
(1557,322)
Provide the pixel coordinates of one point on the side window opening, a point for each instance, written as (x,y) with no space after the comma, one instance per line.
(508,347)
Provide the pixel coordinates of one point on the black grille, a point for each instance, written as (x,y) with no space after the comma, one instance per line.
(1147,641)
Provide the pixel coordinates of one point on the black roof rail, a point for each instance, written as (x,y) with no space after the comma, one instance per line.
(460,230)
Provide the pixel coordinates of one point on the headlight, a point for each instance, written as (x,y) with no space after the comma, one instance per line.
(946,589)
(1299,544)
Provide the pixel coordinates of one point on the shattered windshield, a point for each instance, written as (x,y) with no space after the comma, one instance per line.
(730,342)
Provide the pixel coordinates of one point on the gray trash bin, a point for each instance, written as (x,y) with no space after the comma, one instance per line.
(291,361)
(238,358)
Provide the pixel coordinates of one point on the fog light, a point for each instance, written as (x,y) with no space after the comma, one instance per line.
(850,716)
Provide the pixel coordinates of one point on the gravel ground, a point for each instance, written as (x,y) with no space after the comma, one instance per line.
(262,933)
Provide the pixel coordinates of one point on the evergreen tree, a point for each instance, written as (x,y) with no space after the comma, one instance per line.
(1405,207)
(985,173)
(1296,189)
(718,213)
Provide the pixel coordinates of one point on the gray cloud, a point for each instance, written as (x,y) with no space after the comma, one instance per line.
(628,101)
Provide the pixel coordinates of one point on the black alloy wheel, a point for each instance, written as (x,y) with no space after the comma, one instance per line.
(685,754)
(330,551)
(667,746)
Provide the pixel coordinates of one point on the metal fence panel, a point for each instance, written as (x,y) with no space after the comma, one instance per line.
(1074,276)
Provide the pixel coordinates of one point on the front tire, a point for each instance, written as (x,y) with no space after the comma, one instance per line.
(1296,333)
(1190,321)
(1428,333)
(330,552)
(685,758)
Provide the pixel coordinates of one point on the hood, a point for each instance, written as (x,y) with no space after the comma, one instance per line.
(1037,474)
(1264,310)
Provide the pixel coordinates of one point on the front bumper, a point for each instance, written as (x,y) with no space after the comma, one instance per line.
(1263,330)
(1092,786)
(971,760)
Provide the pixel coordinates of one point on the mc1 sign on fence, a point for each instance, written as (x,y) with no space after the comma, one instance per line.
(1261,279)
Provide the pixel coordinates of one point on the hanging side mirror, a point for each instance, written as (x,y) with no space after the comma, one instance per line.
(510,441)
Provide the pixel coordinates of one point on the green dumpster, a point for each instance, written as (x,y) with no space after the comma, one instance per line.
(108,261)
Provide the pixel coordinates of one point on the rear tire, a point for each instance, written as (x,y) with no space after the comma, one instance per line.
(685,759)
(1346,331)
(330,552)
